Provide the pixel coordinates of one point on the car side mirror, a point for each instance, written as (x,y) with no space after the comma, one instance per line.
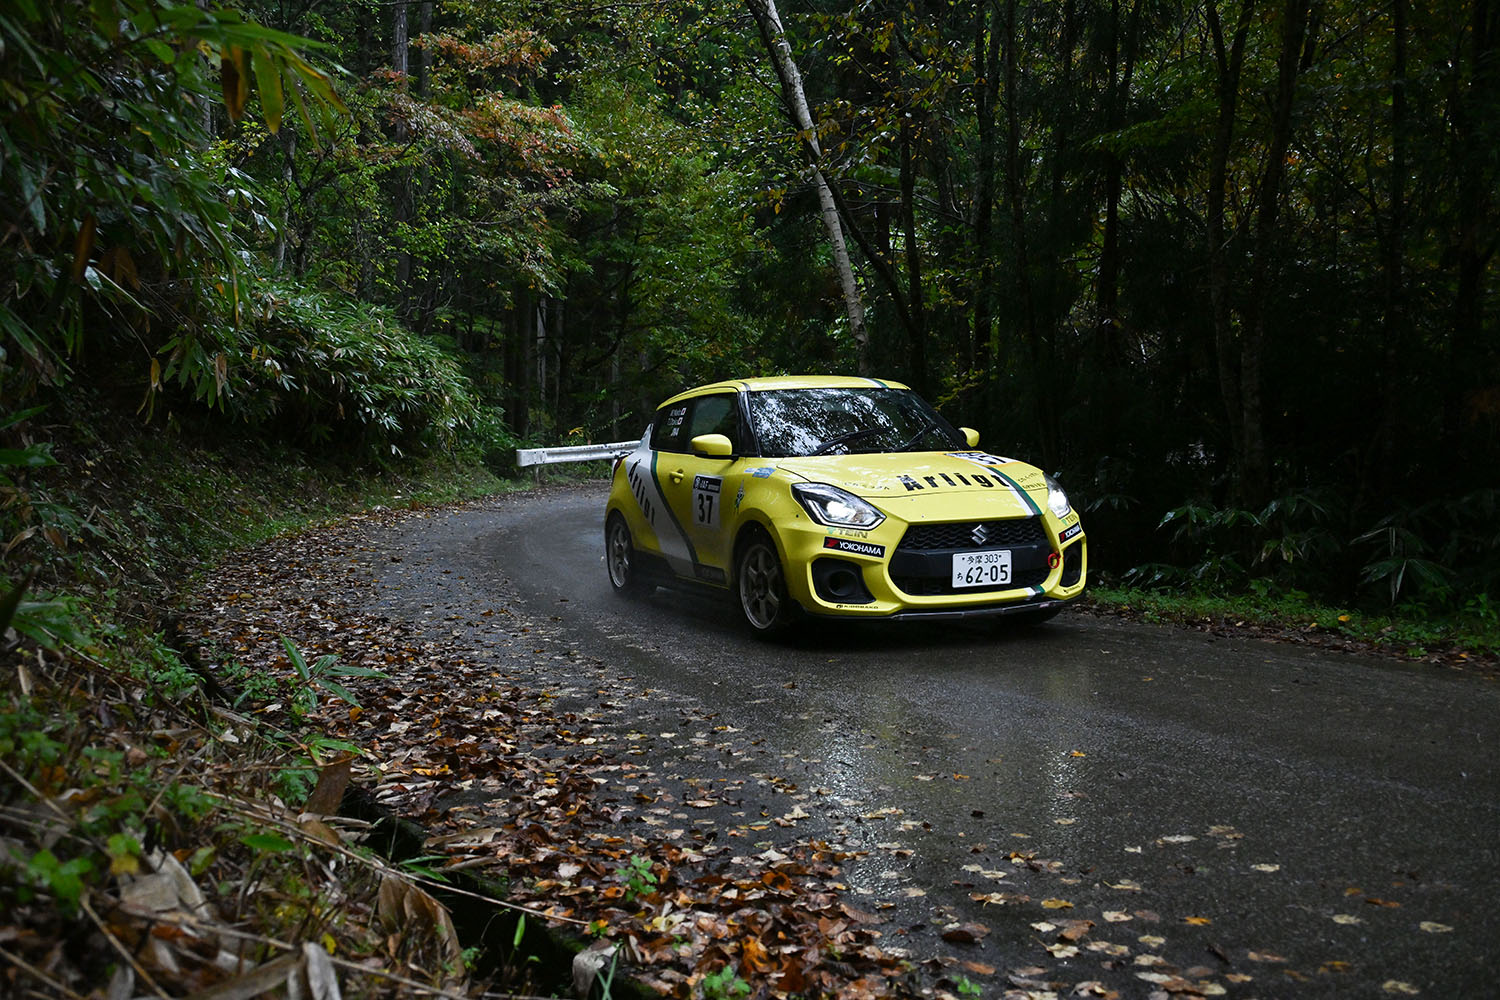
(971,436)
(712,446)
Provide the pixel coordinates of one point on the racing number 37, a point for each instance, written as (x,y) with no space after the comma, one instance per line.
(706,500)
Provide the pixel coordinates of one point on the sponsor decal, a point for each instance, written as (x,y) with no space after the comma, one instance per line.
(850,532)
(640,491)
(854,547)
(989,482)
(1070,533)
(761,473)
(739,497)
(980,457)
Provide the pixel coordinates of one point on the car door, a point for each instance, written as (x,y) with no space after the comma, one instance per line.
(693,486)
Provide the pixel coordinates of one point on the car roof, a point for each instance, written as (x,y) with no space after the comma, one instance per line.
(771,382)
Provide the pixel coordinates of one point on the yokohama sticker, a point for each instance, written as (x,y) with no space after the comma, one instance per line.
(854,548)
(1071,533)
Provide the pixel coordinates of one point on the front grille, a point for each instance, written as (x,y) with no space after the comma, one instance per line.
(937,586)
(959,536)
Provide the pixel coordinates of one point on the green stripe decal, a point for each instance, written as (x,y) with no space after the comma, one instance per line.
(692,552)
(1015,486)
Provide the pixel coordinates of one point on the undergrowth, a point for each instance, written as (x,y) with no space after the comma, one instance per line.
(1412,633)
(155,839)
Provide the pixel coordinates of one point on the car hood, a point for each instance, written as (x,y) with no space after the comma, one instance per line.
(913,477)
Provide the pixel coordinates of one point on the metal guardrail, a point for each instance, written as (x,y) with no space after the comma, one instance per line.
(527,457)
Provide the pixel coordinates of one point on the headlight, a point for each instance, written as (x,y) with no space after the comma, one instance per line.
(1057,500)
(835,507)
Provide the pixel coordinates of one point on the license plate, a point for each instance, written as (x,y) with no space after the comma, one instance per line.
(990,568)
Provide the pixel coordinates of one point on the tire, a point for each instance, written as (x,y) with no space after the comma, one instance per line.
(760,586)
(621,562)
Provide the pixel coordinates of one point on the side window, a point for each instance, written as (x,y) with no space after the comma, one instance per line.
(714,415)
(670,433)
(677,425)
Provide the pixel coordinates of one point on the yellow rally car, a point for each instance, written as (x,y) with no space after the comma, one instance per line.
(837,496)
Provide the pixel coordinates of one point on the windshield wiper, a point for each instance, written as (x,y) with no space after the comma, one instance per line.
(853,435)
(931,425)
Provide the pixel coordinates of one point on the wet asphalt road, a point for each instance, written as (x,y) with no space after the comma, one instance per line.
(1324,824)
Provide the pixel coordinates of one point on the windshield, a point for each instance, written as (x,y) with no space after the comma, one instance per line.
(800,422)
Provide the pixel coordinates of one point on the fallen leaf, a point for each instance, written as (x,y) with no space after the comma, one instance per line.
(1056,904)
(1197,921)
(1266,868)
(1116,916)
(1432,927)
(1060,950)
(965,933)
(1397,986)
(1264,956)
(1346,918)
(1075,929)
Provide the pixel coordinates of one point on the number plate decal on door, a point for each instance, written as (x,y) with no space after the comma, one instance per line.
(706,500)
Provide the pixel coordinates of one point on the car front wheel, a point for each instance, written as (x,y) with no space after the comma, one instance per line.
(619,557)
(760,585)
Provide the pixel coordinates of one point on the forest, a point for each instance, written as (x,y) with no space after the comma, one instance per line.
(1225,266)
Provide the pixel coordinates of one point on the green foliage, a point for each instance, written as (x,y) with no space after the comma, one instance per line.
(120,227)
(1408,630)
(320,674)
(331,371)
(968,988)
(724,984)
(64,880)
(1302,543)
(639,879)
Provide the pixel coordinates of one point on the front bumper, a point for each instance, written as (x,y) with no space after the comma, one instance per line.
(904,571)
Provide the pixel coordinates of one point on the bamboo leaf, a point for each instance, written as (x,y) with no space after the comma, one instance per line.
(268,82)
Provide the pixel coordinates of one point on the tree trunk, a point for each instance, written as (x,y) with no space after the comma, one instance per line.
(917,329)
(288,140)
(774,37)
(424,63)
(1392,239)
(1474,244)
(986,94)
(1107,297)
(1254,472)
(1228,64)
(401,203)
(1039,353)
